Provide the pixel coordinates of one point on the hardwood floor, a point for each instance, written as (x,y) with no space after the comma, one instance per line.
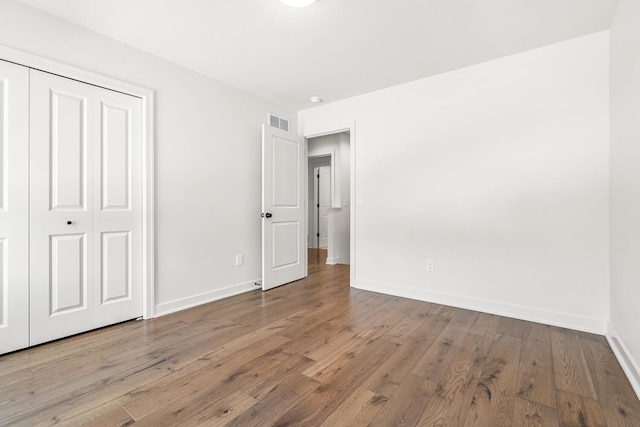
(317,353)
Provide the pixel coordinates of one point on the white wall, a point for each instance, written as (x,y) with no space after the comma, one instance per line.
(338,216)
(499,172)
(208,156)
(342,223)
(625,183)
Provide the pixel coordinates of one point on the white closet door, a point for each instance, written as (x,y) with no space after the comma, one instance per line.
(85,207)
(61,207)
(118,207)
(14,205)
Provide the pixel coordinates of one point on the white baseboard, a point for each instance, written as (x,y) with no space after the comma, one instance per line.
(564,320)
(333,260)
(195,300)
(629,365)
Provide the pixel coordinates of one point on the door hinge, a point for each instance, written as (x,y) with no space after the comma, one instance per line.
(318,205)
(318,175)
(318,235)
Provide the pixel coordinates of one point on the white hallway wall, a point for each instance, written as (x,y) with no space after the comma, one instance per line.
(208,159)
(625,183)
(499,172)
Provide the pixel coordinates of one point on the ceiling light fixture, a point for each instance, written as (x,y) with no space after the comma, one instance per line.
(298,3)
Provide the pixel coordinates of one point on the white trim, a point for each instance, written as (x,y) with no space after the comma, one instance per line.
(532,314)
(629,365)
(352,205)
(351,128)
(329,130)
(306,201)
(148,208)
(148,140)
(333,260)
(207,297)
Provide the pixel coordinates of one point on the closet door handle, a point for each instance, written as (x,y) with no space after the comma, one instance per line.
(69,222)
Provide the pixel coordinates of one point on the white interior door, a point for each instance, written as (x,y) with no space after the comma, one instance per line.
(283,207)
(14,207)
(85,207)
(324,200)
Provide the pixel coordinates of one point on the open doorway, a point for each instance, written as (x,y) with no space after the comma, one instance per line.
(329,198)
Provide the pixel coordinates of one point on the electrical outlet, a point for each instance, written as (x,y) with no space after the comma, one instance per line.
(430,266)
(239,260)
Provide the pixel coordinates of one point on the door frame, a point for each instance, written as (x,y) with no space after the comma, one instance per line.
(19,57)
(335,202)
(309,201)
(330,130)
(316,205)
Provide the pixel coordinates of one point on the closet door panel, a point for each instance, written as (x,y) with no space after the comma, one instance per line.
(14,205)
(118,208)
(68,148)
(115,163)
(62,224)
(68,283)
(115,266)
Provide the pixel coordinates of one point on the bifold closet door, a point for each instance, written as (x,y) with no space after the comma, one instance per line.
(14,205)
(85,214)
(117,207)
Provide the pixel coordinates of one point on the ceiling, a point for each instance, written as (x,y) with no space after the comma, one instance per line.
(333,49)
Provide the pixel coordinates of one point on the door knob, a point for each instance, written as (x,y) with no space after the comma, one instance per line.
(267,215)
(69,222)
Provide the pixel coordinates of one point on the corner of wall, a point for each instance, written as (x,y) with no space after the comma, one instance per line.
(630,366)
(531,314)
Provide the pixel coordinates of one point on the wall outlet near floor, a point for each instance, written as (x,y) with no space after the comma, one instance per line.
(239,260)
(430,266)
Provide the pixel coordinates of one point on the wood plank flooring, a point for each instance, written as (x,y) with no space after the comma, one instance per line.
(318,353)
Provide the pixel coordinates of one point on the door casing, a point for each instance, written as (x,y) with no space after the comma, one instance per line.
(339,128)
(321,186)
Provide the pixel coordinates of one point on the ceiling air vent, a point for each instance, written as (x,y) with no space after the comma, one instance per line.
(278,122)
